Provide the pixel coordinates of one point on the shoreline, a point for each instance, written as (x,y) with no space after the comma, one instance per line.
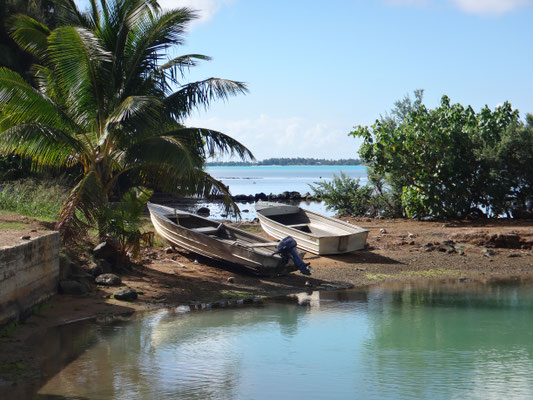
(398,252)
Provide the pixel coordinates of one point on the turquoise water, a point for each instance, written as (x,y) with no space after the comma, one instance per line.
(277,179)
(436,341)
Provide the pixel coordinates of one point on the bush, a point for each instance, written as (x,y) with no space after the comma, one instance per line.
(345,195)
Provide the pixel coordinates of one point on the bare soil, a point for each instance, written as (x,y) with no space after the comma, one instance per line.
(398,250)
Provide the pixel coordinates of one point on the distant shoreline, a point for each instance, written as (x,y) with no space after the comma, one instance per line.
(283,162)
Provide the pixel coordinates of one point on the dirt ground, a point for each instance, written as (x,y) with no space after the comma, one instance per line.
(398,250)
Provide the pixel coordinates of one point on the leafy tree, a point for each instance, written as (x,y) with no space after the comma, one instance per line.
(109,101)
(440,158)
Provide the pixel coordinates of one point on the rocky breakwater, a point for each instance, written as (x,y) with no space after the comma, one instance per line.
(285,196)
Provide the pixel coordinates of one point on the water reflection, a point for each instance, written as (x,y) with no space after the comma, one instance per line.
(436,341)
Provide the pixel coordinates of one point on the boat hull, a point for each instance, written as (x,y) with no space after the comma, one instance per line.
(218,241)
(313,232)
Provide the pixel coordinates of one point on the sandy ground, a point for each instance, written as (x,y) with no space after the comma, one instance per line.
(398,250)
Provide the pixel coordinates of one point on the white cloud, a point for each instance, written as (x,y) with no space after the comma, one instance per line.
(269,137)
(492,7)
(479,7)
(206,8)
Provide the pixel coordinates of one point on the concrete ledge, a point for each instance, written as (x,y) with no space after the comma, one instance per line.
(29,274)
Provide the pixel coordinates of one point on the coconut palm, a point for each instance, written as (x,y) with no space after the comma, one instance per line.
(106,98)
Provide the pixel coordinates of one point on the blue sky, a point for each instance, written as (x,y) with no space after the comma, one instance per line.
(315,69)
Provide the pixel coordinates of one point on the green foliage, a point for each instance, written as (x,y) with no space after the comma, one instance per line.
(345,195)
(107,102)
(123,221)
(450,161)
(35,199)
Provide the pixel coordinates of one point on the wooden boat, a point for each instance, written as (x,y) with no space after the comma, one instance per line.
(312,231)
(218,241)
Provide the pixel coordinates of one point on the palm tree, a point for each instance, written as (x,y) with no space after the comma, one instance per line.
(107,99)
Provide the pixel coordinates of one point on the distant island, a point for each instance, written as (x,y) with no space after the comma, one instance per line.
(286,161)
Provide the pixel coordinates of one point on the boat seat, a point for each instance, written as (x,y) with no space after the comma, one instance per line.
(297,225)
(206,230)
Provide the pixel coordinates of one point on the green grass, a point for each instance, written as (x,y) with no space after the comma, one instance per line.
(13,225)
(429,273)
(28,197)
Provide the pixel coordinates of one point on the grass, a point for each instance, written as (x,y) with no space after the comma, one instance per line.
(429,273)
(13,225)
(28,197)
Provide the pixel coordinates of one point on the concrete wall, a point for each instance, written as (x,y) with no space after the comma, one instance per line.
(29,274)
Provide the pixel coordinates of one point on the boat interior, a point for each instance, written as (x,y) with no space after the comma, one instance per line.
(301,221)
(220,231)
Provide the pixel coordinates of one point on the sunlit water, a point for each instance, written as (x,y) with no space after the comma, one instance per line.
(273,179)
(452,341)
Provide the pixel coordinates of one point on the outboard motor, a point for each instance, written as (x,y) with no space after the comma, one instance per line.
(287,249)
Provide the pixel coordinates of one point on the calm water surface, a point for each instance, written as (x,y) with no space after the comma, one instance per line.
(276,180)
(437,341)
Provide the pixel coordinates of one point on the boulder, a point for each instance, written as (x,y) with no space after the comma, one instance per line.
(106,251)
(108,280)
(95,270)
(126,294)
(204,211)
(72,287)
(261,197)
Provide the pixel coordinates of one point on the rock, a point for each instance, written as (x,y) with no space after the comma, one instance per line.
(411,243)
(71,287)
(488,252)
(308,284)
(25,237)
(169,250)
(295,196)
(231,279)
(450,243)
(106,251)
(441,249)
(261,197)
(461,252)
(105,265)
(95,270)
(411,236)
(383,231)
(108,280)
(126,294)
(203,211)
(450,250)
(512,255)
(245,211)
(428,244)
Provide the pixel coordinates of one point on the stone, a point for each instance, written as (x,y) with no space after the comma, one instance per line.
(261,197)
(488,252)
(72,287)
(108,280)
(441,249)
(512,255)
(25,237)
(105,265)
(169,250)
(383,231)
(428,244)
(231,279)
(106,251)
(203,211)
(461,252)
(95,270)
(126,294)
(450,243)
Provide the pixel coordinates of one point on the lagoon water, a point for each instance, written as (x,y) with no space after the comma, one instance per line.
(275,179)
(434,341)
(278,179)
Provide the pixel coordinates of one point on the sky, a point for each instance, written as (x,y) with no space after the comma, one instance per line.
(315,69)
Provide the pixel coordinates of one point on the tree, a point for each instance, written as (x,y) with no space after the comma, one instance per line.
(442,158)
(108,100)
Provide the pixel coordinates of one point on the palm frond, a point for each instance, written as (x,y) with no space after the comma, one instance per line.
(214,142)
(180,64)
(46,147)
(29,34)
(200,95)
(20,103)
(77,56)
